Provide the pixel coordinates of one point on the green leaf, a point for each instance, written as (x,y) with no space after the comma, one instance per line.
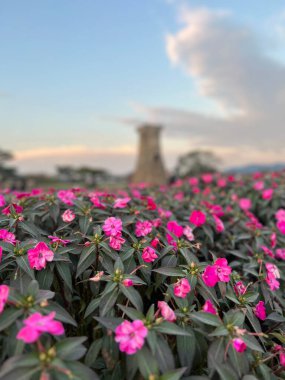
(173,375)
(8,317)
(131,312)
(23,263)
(109,323)
(186,348)
(171,329)
(93,305)
(170,271)
(87,257)
(146,362)
(206,318)
(71,348)
(108,301)
(65,273)
(93,352)
(61,314)
(133,296)
(163,355)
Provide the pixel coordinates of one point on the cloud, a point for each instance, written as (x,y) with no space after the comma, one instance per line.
(229,66)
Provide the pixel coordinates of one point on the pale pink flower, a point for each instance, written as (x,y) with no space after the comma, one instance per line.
(116,242)
(7,236)
(97,277)
(209,307)
(239,288)
(66,196)
(156,222)
(4,294)
(167,313)
(131,336)
(55,239)
(112,226)
(182,288)
(239,345)
(272,275)
(68,216)
(260,311)
(39,256)
(37,324)
(245,203)
(272,268)
(143,228)
(2,200)
(149,255)
(197,217)
(188,232)
(121,202)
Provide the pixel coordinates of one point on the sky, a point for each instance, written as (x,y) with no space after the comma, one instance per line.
(78,76)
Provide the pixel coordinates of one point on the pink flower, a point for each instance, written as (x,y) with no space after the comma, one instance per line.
(121,202)
(112,226)
(143,228)
(127,282)
(149,255)
(219,224)
(37,324)
(7,211)
(220,271)
(280,253)
(260,311)
(272,268)
(131,336)
(193,181)
(167,313)
(182,288)
(267,194)
(281,226)
(272,275)
(55,239)
(245,203)
(39,256)
(1,254)
(207,177)
(4,294)
(188,232)
(239,345)
(282,358)
(116,242)
(66,196)
(2,200)
(68,216)
(7,236)
(198,218)
(280,214)
(259,185)
(239,288)
(154,243)
(273,240)
(176,230)
(267,251)
(97,276)
(209,307)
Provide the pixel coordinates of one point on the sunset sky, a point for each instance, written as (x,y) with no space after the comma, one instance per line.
(77,76)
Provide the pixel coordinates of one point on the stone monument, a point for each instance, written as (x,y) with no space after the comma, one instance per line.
(149,167)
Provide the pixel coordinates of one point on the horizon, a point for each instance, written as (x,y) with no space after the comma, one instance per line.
(79,78)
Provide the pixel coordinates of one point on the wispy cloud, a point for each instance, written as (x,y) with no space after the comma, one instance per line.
(229,65)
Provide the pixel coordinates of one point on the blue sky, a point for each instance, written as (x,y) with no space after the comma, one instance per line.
(75,73)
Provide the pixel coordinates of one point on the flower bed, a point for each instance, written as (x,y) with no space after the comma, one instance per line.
(180,282)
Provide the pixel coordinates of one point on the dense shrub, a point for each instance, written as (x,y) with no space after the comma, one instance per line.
(181,282)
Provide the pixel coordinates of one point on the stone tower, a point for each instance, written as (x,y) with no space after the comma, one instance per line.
(149,167)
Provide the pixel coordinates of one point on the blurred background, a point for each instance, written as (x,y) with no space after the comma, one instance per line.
(77,78)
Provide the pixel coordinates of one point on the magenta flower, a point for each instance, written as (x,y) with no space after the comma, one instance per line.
(1,254)
(198,218)
(121,202)
(68,216)
(245,204)
(149,255)
(280,253)
(37,324)
(209,307)
(127,282)
(166,311)
(39,256)
(281,226)
(239,345)
(219,224)
(2,200)
(7,236)
(131,336)
(4,294)
(143,228)
(66,196)
(176,230)
(260,311)
(220,271)
(267,194)
(112,226)
(116,242)
(280,214)
(282,358)
(7,211)
(182,288)
(239,288)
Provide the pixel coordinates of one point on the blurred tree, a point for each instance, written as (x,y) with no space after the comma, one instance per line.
(85,174)
(196,162)
(6,173)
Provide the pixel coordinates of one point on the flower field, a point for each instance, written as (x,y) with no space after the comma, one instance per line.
(179,282)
